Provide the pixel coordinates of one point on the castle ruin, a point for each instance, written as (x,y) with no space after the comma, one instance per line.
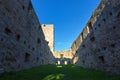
(24,43)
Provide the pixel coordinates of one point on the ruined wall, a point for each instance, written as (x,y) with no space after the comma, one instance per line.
(87,29)
(66,54)
(48,30)
(22,42)
(99,45)
(63,57)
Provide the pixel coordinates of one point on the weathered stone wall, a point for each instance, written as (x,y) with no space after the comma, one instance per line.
(48,30)
(63,57)
(64,61)
(99,43)
(22,42)
(66,54)
(87,29)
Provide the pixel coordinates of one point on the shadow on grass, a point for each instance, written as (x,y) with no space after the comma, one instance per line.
(53,72)
(54,77)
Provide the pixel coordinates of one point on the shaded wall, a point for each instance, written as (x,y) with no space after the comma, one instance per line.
(100,46)
(87,29)
(22,42)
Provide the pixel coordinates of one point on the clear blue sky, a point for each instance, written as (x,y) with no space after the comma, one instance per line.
(68,16)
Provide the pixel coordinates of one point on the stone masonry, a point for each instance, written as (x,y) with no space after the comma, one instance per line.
(48,30)
(66,54)
(22,42)
(63,57)
(98,45)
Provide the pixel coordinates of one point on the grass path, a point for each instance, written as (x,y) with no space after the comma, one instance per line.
(52,72)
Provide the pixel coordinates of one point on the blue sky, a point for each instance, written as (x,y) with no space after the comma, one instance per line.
(68,16)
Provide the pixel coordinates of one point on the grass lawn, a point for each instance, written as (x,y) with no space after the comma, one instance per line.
(52,72)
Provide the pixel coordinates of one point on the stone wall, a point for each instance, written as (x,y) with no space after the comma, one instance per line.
(98,45)
(87,29)
(48,30)
(63,57)
(66,54)
(22,42)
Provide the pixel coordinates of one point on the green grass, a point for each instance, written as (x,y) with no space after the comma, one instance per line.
(52,72)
